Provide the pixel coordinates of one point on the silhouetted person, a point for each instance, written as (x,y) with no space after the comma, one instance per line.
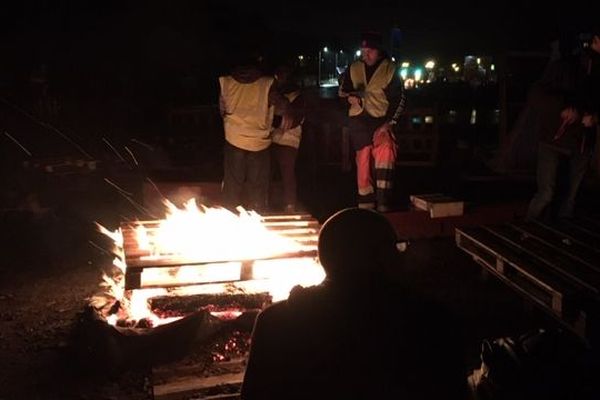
(566,100)
(286,142)
(357,335)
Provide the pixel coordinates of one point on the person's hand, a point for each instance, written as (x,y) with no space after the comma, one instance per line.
(354,100)
(286,123)
(589,120)
(383,134)
(569,115)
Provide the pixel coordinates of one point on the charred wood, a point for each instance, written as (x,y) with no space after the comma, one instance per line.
(183,305)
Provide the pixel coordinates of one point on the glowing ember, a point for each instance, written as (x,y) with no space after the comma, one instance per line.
(220,240)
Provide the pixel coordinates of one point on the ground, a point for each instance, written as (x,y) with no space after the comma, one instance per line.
(52,265)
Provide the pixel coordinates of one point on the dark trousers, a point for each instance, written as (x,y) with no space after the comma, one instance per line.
(547,168)
(286,159)
(249,171)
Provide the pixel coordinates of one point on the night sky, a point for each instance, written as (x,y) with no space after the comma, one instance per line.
(113,41)
(454,26)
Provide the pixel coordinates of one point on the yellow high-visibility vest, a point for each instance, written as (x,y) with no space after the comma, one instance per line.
(374,100)
(247,116)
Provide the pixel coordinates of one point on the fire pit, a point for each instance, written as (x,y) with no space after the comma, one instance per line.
(208,272)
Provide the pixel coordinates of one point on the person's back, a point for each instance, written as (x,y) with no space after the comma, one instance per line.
(245,107)
(247,100)
(365,339)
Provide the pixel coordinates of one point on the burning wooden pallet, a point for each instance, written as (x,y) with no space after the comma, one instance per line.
(301,228)
(226,286)
(557,266)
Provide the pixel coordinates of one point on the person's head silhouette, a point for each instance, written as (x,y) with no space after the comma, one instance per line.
(356,244)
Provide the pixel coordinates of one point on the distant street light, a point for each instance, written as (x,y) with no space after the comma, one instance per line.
(325,50)
(418,74)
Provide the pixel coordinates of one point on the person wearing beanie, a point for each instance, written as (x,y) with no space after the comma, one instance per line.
(374,91)
(361,334)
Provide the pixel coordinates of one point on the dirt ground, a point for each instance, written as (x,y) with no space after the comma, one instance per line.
(51,266)
(44,287)
(42,299)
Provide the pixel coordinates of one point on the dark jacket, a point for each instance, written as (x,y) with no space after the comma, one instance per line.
(370,343)
(567,82)
(296,109)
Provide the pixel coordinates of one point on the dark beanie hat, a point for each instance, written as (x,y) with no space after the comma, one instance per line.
(371,40)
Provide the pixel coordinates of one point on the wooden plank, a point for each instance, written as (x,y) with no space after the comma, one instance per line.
(570,235)
(558,242)
(182,305)
(590,237)
(273,225)
(190,385)
(589,223)
(526,278)
(171,262)
(576,273)
(543,285)
(133,279)
(182,380)
(266,219)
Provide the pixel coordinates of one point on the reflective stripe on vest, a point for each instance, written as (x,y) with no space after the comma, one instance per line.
(374,100)
(248,117)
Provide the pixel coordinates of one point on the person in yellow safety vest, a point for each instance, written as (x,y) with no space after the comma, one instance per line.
(287,142)
(374,90)
(247,102)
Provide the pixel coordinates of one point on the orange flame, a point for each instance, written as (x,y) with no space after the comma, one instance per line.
(213,235)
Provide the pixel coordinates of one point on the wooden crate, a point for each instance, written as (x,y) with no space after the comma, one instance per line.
(554,267)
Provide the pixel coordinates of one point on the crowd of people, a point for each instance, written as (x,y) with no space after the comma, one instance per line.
(263,116)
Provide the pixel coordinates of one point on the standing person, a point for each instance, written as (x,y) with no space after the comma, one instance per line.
(287,142)
(359,334)
(374,90)
(247,101)
(566,101)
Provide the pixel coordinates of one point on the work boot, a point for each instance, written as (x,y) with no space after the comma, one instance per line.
(366,201)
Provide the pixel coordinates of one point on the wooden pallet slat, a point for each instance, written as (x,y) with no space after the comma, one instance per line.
(555,265)
(302,228)
(514,271)
(578,274)
(566,247)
